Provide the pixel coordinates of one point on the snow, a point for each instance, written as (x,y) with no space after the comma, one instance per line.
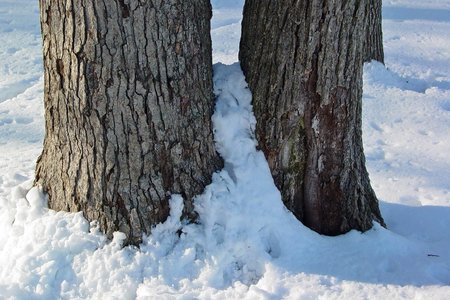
(246,244)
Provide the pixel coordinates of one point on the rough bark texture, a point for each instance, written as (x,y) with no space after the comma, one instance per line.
(128,101)
(373,46)
(303,62)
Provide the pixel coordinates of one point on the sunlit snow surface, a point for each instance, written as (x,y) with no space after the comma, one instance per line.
(246,245)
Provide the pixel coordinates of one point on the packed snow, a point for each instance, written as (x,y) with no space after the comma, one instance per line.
(246,245)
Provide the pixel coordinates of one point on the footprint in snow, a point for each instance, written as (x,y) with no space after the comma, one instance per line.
(445,106)
(24,120)
(5,121)
(11,50)
(376,126)
(424,132)
(375,154)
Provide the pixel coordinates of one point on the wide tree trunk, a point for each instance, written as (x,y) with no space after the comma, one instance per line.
(128,100)
(373,46)
(303,62)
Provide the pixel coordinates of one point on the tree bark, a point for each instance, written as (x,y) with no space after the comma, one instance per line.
(128,100)
(373,46)
(303,62)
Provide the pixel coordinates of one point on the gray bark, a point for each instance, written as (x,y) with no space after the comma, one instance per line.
(128,100)
(373,46)
(303,62)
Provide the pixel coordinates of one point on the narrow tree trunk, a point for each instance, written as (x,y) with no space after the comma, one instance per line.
(128,100)
(303,62)
(373,46)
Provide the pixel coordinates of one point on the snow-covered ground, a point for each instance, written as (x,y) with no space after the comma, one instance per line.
(246,246)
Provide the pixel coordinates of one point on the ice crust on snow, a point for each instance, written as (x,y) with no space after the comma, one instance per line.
(246,244)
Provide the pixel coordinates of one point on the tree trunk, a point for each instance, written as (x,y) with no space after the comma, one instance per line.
(373,46)
(303,62)
(128,100)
